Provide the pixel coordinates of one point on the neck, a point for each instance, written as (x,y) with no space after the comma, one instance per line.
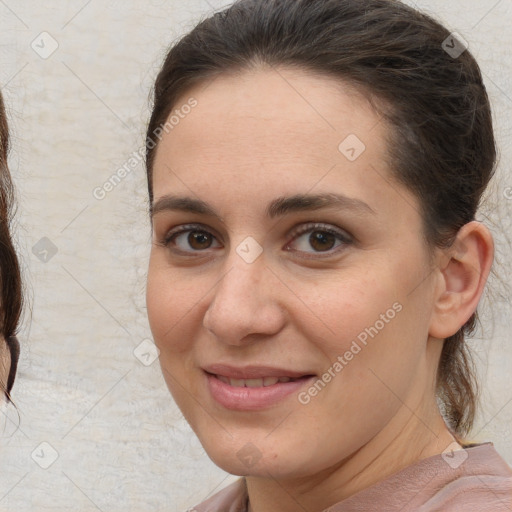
(385,454)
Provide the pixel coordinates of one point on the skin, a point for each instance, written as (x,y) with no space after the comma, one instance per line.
(254,137)
(5,364)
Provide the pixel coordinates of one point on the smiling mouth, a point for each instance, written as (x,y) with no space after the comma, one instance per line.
(252,388)
(256,383)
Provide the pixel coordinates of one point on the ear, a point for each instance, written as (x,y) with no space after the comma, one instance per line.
(463,271)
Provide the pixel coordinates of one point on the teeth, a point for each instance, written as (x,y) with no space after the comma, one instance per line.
(253,383)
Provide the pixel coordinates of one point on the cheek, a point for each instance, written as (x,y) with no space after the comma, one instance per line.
(173,302)
(338,310)
(371,354)
(369,319)
(173,312)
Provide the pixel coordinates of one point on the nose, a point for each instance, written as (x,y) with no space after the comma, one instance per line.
(245,306)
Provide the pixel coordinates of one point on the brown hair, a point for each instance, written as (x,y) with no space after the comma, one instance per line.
(441,143)
(10,277)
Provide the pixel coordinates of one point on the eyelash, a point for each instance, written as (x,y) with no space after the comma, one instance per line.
(311,227)
(340,235)
(186,228)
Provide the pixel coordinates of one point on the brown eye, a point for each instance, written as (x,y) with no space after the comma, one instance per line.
(314,238)
(190,239)
(200,240)
(322,240)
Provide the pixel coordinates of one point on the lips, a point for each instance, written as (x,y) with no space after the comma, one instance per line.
(253,372)
(252,388)
(253,383)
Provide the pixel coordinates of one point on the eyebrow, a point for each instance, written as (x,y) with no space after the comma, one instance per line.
(276,208)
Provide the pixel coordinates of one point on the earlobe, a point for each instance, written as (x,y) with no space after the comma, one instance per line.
(463,272)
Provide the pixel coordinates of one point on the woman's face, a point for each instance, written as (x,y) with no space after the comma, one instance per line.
(289,290)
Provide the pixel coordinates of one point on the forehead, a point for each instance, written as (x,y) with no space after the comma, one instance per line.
(274,131)
(269,108)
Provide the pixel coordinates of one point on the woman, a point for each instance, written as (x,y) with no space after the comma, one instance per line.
(314,172)
(10,279)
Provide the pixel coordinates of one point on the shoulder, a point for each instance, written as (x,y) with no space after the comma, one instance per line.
(469,480)
(474,479)
(233,498)
(479,480)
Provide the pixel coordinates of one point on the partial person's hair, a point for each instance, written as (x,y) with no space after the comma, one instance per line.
(10,277)
(441,143)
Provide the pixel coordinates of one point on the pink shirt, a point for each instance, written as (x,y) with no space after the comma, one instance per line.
(475,479)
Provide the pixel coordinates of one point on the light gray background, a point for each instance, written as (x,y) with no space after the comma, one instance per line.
(76,117)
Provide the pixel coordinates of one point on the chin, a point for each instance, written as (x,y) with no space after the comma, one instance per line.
(249,465)
(245,457)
